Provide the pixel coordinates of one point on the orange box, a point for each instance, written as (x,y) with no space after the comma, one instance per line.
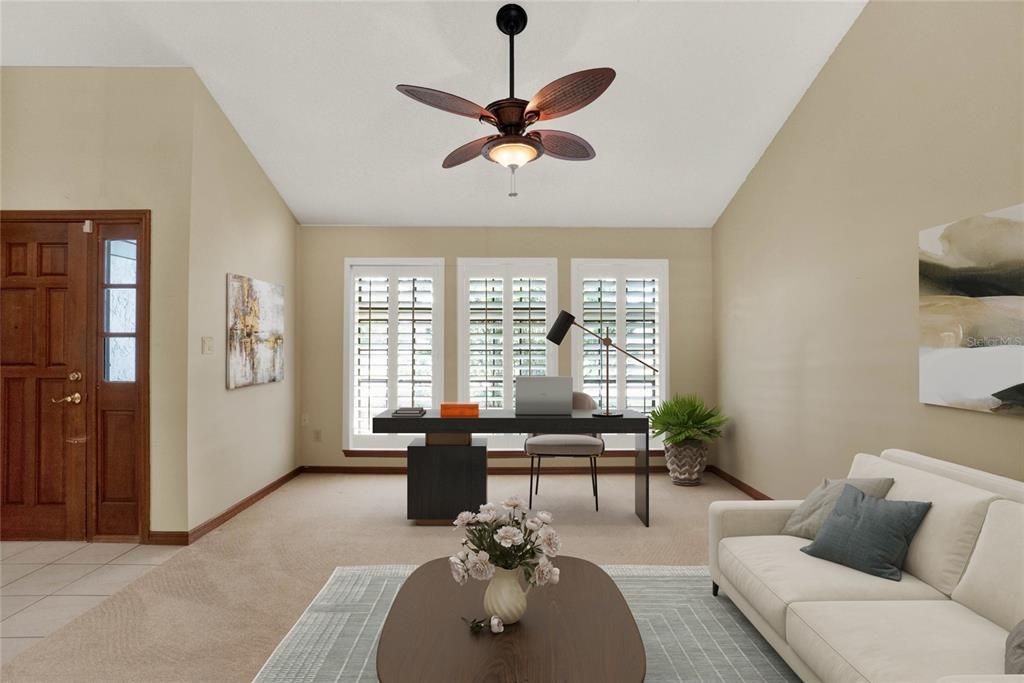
(460,410)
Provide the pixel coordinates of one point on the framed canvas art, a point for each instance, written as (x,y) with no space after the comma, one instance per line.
(971,313)
(255,336)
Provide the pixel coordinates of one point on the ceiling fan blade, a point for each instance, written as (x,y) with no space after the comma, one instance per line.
(467,152)
(447,102)
(566,146)
(569,93)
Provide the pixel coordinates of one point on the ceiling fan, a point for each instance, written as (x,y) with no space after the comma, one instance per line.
(514,147)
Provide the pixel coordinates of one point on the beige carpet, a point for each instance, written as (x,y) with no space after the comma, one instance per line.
(216,610)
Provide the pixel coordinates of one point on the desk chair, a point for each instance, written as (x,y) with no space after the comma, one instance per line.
(540,446)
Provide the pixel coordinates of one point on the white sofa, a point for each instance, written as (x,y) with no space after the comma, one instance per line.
(947,620)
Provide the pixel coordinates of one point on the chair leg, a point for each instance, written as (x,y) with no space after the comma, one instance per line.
(593,478)
(714,589)
(540,459)
(531,482)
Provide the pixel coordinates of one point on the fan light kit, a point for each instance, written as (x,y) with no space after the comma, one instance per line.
(513,147)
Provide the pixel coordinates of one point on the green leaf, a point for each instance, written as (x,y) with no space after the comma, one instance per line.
(686,417)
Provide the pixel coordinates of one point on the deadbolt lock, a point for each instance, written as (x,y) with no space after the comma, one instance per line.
(75,376)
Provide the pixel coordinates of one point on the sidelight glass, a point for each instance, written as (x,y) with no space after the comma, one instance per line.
(120,259)
(119,310)
(119,359)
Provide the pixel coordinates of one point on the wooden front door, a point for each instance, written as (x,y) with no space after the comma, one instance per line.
(74,381)
(44,401)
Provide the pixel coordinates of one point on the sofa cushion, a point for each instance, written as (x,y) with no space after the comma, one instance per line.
(564,444)
(771,573)
(869,534)
(908,641)
(1005,487)
(807,519)
(1014,662)
(944,542)
(993,585)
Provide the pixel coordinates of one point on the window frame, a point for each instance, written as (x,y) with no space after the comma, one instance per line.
(621,269)
(432,267)
(507,269)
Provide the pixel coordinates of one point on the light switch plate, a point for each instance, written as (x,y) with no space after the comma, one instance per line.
(207,346)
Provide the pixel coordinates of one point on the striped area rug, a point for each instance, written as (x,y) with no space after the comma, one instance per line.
(688,634)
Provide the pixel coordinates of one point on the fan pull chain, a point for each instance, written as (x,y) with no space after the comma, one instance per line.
(512,182)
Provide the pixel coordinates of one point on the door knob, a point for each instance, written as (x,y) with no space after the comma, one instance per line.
(75,398)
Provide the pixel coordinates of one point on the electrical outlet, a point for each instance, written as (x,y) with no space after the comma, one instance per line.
(317,436)
(207,346)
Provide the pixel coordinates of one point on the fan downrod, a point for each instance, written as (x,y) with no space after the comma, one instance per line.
(511,19)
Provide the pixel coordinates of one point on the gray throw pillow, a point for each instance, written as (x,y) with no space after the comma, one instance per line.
(817,506)
(1015,650)
(869,534)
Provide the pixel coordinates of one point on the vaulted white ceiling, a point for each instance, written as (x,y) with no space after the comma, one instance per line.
(702,88)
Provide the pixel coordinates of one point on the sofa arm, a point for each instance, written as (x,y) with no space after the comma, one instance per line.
(744,518)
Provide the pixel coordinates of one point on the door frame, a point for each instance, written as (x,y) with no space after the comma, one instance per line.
(141,217)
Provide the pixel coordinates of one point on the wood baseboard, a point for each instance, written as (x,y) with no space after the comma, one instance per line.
(547,469)
(357,453)
(742,486)
(167,538)
(194,534)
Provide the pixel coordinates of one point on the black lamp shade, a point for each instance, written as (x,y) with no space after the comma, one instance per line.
(561,327)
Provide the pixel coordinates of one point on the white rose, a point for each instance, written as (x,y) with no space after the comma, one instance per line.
(509,536)
(513,503)
(496,625)
(545,517)
(479,566)
(545,573)
(549,542)
(464,519)
(458,570)
(488,513)
(533,524)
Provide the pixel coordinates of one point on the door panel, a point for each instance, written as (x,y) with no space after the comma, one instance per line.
(43,306)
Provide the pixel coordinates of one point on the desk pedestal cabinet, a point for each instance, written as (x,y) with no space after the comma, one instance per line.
(444,480)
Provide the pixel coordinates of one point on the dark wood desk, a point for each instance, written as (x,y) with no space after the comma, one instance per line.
(580,630)
(443,480)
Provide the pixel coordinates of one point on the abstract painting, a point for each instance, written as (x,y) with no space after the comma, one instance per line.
(971,285)
(255,332)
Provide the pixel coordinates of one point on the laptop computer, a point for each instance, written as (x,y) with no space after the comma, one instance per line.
(543,395)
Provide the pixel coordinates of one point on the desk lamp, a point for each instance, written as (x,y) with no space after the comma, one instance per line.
(560,328)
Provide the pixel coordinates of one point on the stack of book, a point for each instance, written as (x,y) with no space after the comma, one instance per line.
(411,411)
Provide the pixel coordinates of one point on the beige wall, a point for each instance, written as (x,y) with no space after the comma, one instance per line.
(322,251)
(240,440)
(118,139)
(915,121)
(125,138)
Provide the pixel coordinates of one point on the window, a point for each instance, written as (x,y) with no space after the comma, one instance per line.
(395,331)
(627,300)
(120,268)
(505,307)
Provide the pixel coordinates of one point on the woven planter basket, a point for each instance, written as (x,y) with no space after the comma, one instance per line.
(686,462)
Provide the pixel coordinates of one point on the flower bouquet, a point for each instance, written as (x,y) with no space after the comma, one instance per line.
(507,547)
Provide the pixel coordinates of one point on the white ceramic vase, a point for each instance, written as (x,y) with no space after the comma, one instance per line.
(505,597)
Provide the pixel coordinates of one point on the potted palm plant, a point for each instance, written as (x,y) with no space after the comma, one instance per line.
(687,425)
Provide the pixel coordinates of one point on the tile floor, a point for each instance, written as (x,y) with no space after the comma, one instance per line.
(46,584)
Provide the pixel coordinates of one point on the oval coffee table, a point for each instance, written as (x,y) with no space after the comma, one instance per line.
(578,630)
